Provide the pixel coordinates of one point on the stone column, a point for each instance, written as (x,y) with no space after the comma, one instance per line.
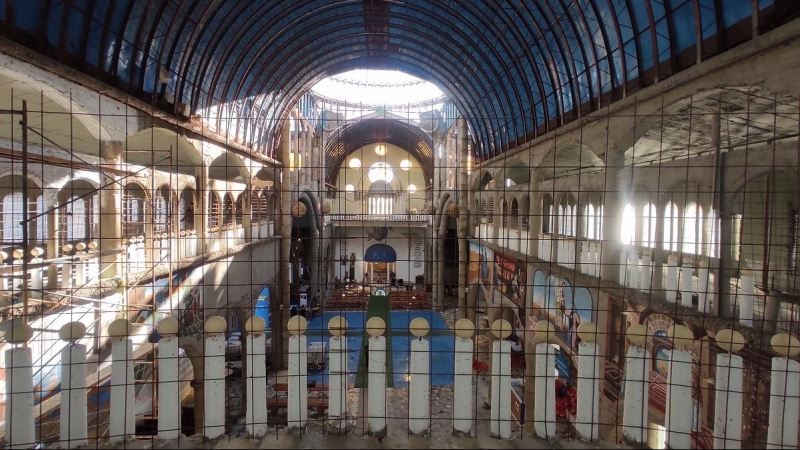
(419,387)
(337,367)
(501,380)
(169,401)
(74,412)
(635,412)
(784,393)
(745,297)
(256,377)
(376,380)
(544,414)
(463,218)
(534,215)
(729,388)
(247,211)
(686,282)
(613,207)
(201,205)
(671,284)
(19,427)
(441,262)
(214,379)
(587,420)
(123,387)
(280,316)
(110,211)
(706,294)
(678,419)
(54,240)
(297,409)
(462,376)
(659,254)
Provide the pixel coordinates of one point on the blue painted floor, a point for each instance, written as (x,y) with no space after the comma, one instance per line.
(441,339)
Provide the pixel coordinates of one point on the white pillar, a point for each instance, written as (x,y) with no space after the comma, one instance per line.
(544,412)
(297,409)
(462,381)
(256,376)
(337,385)
(703,287)
(747,284)
(686,282)
(728,395)
(214,378)
(623,266)
(647,271)
(678,417)
(376,401)
(501,389)
(637,368)
(169,401)
(19,428)
(587,418)
(419,418)
(634,269)
(73,419)
(784,394)
(671,283)
(123,389)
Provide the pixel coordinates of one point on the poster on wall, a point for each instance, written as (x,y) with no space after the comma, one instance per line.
(480,271)
(510,278)
(555,300)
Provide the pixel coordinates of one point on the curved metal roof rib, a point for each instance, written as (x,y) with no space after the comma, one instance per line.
(515,69)
(352,136)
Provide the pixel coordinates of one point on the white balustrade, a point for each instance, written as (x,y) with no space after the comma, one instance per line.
(637,367)
(419,419)
(463,377)
(297,407)
(745,297)
(214,379)
(500,425)
(74,409)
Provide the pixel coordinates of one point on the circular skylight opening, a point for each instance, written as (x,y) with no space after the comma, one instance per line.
(380,171)
(405,164)
(355,163)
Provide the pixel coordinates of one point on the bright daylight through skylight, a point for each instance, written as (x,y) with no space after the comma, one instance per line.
(377,88)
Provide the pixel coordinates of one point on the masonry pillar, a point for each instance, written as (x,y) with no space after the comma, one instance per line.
(19,411)
(462,376)
(74,408)
(784,393)
(463,218)
(637,360)
(247,211)
(201,205)
(678,420)
(110,212)
(729,388)
(123,415)
(613,206)
(534,215)
(280,343)
(501,380)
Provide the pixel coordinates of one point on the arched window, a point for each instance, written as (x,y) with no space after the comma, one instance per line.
(80,212)
(12,218)
(628,228)
(133,211)
(491,209)
(186,209)
(213,209)
(380,198)
(589,222)
(671,224)
(714,224)
(161,211)
(255,207)
(227,212)
(690,239)
(238,208)
(514,214)
(504,217)
(649,219)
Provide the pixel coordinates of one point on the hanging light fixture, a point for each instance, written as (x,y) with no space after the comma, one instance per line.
(380,149)
(405,164)
(411,188)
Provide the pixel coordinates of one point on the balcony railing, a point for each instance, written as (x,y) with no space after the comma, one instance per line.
(422,218)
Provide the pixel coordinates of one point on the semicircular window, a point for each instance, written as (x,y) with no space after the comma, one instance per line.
(380,198)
